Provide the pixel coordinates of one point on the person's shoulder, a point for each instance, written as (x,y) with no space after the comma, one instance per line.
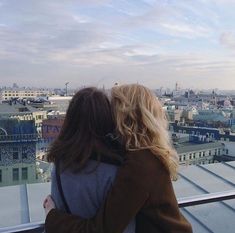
(145,157)
(152,171)
(148,163)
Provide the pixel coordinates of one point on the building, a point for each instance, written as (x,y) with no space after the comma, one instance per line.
(22,93)
(51,128)
(17,152)
(212,133)
(174,115)
(212,115)
(198,149)
(23,111)
(199,153)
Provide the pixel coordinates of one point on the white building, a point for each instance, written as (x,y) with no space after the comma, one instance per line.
(199,153)
(9,93)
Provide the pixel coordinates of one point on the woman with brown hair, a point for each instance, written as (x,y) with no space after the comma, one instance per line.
(85,156)
(142,187)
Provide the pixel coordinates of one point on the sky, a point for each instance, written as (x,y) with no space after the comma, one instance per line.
(157,43)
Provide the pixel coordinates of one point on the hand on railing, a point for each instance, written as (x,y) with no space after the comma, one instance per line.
(48,204)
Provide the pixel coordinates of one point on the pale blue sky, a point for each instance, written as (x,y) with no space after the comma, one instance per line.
(100,42)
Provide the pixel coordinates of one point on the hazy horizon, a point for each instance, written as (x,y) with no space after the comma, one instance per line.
(101,42)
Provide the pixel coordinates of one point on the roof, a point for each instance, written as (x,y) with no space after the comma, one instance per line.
(14,201)
(189,147)
(6,108)
(193,180)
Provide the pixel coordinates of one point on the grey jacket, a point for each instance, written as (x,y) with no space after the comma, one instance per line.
(86,191)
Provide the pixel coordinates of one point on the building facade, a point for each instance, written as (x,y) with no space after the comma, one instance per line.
(17,152)
(23,112)
(205,153)
(9,93)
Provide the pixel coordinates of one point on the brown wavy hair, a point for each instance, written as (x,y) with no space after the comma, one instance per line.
(142,123)
(84,132)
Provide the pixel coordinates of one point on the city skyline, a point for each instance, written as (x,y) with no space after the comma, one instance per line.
(100,42)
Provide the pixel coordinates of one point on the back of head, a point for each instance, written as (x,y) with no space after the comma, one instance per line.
(142,123)
(88,120)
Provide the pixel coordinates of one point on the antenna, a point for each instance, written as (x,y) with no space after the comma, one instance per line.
(66,89)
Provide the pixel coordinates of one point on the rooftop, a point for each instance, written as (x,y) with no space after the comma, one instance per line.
(188,146)
(16,108)
(26,200)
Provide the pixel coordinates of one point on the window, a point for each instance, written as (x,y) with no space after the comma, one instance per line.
(15,174)
(209,152)
(24,152)
(24,173)
(204,153)
(200,154)
(15,153)
(0,176)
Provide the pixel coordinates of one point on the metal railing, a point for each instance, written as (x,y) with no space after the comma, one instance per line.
(182,202)
(27,227)
(206,198)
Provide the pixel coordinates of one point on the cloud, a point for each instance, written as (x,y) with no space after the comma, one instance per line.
(185,30)
(46,28)
(185,19)
(93,2)
(229,2)
(227,39)
(93,40)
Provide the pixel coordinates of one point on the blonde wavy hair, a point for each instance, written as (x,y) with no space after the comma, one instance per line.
(142,123)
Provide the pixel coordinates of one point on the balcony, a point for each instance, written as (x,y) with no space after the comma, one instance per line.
(18,138)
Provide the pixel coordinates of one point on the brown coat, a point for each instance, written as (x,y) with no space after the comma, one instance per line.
(142,188)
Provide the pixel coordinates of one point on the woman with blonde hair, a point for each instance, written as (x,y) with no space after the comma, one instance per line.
(142,187)
(142,123)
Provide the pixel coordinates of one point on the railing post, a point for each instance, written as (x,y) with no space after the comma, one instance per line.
(25,215)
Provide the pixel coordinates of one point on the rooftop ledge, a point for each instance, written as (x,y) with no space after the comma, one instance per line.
(183,202)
